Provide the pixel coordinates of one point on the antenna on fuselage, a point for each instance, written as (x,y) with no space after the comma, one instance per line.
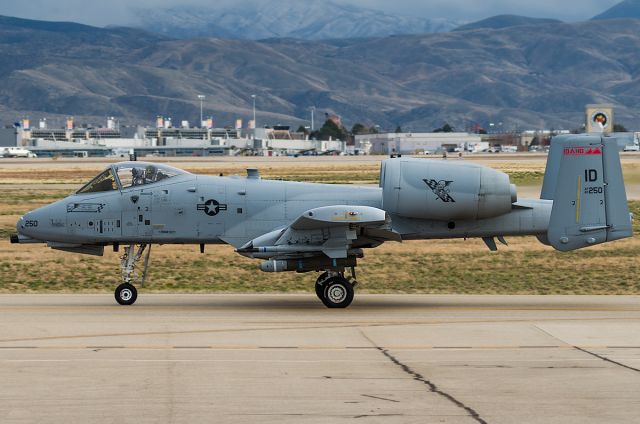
(253,173)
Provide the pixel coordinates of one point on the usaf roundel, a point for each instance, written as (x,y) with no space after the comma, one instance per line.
(211,207)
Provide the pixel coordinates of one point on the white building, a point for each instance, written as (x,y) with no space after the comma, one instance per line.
(171,141)
(279,140)
(412,143)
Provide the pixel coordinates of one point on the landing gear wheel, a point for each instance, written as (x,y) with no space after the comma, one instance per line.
(320,285)
(126,294)
(338,293)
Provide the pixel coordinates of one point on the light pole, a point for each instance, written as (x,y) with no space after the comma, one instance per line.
(201,97)
(255,124)
(313,112)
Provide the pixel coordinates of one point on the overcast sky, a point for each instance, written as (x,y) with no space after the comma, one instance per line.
(119,12)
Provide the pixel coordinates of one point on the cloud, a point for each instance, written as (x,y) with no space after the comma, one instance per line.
(126,12)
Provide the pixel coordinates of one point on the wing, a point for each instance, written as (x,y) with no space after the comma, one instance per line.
(336,232)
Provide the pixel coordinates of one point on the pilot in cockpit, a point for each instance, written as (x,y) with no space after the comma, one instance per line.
(150,174)
(138,176)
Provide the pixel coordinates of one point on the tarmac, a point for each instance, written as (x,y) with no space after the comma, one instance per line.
(287,359)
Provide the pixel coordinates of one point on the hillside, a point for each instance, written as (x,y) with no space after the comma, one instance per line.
(627,9)
(308,20)
(505,21)
(526,77)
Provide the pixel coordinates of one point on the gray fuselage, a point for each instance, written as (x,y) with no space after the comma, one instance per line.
(195,209)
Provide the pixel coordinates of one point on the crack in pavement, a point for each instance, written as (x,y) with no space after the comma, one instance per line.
(420,378)
(381,398)
(604,358)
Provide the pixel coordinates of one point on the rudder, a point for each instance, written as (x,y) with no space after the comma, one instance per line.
(589,199)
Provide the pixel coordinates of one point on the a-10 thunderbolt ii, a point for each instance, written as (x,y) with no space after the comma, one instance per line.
(326,228)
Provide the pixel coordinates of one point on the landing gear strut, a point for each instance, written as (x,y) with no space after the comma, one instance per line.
(334,290)
(126,293)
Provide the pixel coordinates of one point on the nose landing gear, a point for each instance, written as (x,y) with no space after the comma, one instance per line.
(126,293)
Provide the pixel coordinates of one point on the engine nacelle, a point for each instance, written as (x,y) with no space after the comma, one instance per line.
(444,190)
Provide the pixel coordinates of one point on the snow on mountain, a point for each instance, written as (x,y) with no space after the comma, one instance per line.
(309,20)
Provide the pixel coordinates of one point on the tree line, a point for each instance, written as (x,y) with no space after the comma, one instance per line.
(331,130)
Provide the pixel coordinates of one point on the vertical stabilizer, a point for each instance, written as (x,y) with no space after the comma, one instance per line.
(584,180)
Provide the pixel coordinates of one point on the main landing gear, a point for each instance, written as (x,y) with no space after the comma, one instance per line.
(126,293)
(334,290)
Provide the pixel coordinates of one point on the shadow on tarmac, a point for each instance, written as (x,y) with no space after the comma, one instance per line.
(309,302)
(389,302)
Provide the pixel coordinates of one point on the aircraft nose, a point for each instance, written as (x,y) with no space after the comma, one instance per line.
(40,223)
(28,224)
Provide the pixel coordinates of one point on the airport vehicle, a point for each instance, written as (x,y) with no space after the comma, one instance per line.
(17,152)
(478,147)
(120,153)
(304,227)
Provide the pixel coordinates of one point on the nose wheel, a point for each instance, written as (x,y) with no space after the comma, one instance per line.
(126,294)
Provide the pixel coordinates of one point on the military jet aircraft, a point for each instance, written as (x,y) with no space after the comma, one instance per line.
(303,227)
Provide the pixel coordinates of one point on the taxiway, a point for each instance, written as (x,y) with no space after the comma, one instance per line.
(285,358)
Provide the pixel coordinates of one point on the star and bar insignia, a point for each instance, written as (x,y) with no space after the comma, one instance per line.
(211,207)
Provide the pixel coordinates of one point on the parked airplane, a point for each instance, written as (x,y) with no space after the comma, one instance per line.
(326,228)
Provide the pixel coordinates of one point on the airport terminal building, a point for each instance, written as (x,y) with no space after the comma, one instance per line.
(166,140)
(412,143)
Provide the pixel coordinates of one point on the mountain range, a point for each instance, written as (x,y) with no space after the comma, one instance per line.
(319,20)
(307,20)
(533,75)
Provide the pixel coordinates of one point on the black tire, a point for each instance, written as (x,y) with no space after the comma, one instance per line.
(126,294)
(338,293)
(320,285)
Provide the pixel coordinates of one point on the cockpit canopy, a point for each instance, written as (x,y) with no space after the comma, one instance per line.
(129,174)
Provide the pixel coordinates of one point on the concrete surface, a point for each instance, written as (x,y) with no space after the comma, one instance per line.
(285,358)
